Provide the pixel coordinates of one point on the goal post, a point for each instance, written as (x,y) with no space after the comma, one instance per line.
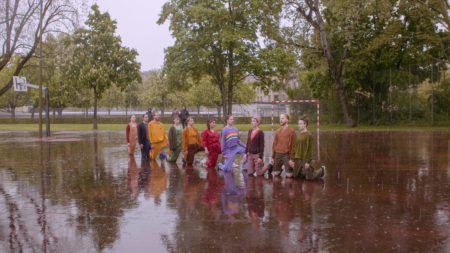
(318,116)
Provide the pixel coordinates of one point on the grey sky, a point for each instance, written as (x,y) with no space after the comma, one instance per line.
(136,25)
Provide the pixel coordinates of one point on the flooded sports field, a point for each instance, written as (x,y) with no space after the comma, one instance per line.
(81,192)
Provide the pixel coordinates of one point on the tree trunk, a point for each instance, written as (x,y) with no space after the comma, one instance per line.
(54,112)
(86,112)
(198,110)
(60,110)
(126,110)
(230,82)
(109,111)
(336,73)
(95,109)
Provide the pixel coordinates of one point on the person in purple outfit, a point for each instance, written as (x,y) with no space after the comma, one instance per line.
(231,144)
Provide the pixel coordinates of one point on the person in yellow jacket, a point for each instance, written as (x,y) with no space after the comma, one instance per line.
(157,136)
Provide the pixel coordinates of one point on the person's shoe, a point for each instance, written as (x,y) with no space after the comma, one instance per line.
(268,168)
(162,156)
(324,171)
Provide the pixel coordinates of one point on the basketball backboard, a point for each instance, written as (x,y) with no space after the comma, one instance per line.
(20,83)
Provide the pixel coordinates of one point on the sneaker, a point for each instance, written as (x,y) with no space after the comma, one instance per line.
(268,168)
(324,171)
(162,156)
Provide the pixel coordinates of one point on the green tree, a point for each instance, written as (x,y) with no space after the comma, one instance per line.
(220,39)
(113,97)
(23,24)
(202,93)
(155,92)
(131,96)
(99,60)
(367,55)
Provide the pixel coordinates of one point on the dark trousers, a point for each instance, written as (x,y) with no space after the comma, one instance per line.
(192,150)
(145,150)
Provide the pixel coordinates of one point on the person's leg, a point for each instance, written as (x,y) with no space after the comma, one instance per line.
(287,167)
(174,155)
(259,166)
(155,151)
(130,152)
(297,172)
(251,163)
(312,174)
(133,146)
(145,150)
(190,154)
(228,166)
(278,162)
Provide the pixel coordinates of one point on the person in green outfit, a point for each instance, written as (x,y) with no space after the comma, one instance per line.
(303,154)
(175,144)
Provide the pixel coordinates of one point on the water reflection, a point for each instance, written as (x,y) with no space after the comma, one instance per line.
(82,192)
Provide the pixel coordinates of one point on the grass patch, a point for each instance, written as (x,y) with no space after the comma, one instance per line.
(241,127)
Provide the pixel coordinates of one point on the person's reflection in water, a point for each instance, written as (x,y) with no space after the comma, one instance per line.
(211,193)
(132,175)
(255,199)
(306,226)
(231,196)
(144,174)
(174,194)
(192,185)
(283,202)
(158,181)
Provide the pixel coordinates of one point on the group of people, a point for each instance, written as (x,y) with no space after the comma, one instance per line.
(289,149)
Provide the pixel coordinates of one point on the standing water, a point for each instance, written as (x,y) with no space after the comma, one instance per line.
(81,192)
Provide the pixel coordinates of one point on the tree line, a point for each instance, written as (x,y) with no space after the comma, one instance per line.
(376,61)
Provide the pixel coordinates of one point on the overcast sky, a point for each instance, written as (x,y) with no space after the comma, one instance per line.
(136,25)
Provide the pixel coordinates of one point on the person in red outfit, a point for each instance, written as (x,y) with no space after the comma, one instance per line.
(211,142)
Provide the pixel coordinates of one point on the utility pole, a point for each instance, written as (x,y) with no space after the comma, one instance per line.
(432,96)
(40,70)
(410,92)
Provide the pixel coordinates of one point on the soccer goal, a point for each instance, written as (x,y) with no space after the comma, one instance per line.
(318,117)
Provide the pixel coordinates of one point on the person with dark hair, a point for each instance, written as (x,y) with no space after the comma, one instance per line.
(303,154)
(149,114)
(184,114)
(211,143)
(283,147)
(144,143)
(175,113)
(231,144)
(254,151)
(191,142)
(175,140)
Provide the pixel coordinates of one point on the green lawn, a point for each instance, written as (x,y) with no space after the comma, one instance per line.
(241,127)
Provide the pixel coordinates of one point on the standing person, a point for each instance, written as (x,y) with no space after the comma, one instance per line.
(303,154)
(254,151)
(231,144)
(149,114)
(144,143)
(175,140)
(283,147)
(175,113)
(211,142)
(132,135)
(184,114)
(157,136)
(191,142)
